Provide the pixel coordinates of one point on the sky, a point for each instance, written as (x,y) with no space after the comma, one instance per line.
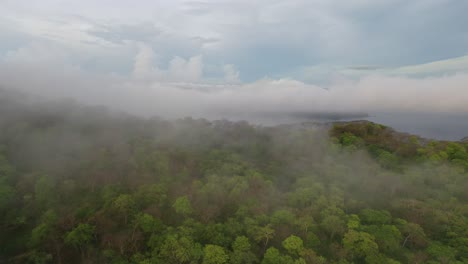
(180,57)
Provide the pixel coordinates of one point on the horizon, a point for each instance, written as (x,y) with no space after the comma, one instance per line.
(179,58)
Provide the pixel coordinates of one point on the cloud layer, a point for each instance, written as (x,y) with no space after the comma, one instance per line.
(182,90)
(274,38)
(215,58)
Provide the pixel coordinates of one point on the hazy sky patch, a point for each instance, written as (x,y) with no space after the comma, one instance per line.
(197,57)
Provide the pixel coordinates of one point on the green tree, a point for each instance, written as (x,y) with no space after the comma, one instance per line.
(312,241)
(273,256)
(305,223)
(264,234)
(80,237)
(414,235)
(6,168)
(376,217)
(282,217)
(294,245)
(183,206)
(43,230)
(348,139)
(388,237)
(125,205)
(44,191)
(241,251)
(7,193)
(441,253)
(179,250)
(359,244)
(39,257)
(153,194)
(213,254)
(353,222)
(333,225)
(147,223)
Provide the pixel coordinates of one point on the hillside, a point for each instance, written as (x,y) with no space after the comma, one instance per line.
(85,185)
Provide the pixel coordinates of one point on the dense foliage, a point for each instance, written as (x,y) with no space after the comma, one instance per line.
(82,185)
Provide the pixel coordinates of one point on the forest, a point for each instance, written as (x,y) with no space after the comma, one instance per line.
(84,184)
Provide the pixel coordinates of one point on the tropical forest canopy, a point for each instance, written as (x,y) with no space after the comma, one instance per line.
(81,184)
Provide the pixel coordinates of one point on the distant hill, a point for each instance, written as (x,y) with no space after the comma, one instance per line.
(82,184)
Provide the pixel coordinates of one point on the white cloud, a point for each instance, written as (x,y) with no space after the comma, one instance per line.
(192,54)
(179,70)
(178,99)
(261,38)
(190,70)
(441,66)
(143,67)
(231,75)
(327,73)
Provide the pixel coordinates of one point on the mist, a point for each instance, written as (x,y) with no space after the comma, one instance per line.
(66,166)
(182,90)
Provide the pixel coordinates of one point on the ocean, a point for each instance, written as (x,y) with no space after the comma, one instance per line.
(441,126)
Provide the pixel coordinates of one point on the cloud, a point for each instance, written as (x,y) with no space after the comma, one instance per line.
(459,64)
(179,70)
(326,74)
(231,75)
(143,67)
(261,38)
(159,95)
(190,70)
(210,58)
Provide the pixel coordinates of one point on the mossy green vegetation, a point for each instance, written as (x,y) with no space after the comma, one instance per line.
(82,185)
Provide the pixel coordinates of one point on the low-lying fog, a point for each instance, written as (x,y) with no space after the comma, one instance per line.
(433,125)
(433,107)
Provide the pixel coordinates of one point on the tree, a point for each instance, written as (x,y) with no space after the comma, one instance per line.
(414,235)
(348,139)
(273,256)
(312,241)
(354,222)
(359,244)
(44,191)
(213,254)
(304,223)
(179,250)
(282,217)
(264,234)
(43,230)
(147,223)
(154,194)
(6,168)
(302,197)
(80,237)
(241,251)
(294,245)
(241,244)
(125,205)
(333,225)
(38,257)
(388,237)
(376,217)
(7,193)
(441,253)
(183,206)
